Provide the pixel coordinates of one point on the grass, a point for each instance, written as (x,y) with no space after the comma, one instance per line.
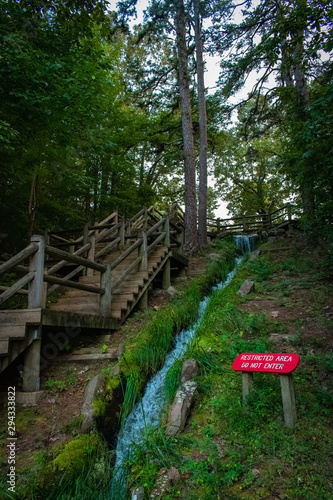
(144,356)
(235,450)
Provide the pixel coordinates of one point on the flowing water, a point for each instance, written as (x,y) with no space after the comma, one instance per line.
(147,411)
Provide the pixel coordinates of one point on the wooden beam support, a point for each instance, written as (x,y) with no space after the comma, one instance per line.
(288,399)
(247,384)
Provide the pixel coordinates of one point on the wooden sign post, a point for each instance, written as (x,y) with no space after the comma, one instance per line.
(283,364)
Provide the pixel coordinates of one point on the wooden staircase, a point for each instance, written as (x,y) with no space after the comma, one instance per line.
(125,296)
(102,275)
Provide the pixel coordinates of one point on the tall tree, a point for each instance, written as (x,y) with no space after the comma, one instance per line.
(191,241)
(202,212)
(282,38)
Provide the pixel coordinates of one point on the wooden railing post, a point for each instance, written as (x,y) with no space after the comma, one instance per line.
(143,266)
(105,303)
(121,235)
(180,239)
(166,269)
(36,299)
(218,225)
(145,219)
(91,253)
(85,241)
(289,212)
(245,227)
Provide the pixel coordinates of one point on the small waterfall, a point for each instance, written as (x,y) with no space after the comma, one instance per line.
(245,242)
(147,411)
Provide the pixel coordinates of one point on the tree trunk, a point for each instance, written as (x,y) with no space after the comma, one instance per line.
(307,180)
(191,239)
(202,220)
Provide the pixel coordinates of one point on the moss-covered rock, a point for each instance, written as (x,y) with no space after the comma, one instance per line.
(79,454)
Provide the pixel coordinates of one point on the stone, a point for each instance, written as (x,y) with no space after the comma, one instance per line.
(214,257)
(172,291)
(173,474)
(189,370)
(271,239)
(264,234)
(115,372)
(180,408)
(246,288)
(138,493)
(254,255)
(162,484)
(87,408)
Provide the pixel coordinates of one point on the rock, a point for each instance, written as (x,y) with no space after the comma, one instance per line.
(180,408)
(214,257)
(254,255)
(162,484)
(173,474)
(172,291)
(115,372)
(189,370)
(246,288)
(138,493)
(87,407)
(264,234)
(120,350)
(256,472)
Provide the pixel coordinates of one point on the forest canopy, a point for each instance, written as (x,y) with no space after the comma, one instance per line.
(92,111)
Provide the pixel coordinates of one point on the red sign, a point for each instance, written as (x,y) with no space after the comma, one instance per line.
(266,362)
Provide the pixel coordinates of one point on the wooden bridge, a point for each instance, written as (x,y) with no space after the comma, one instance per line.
(101,274)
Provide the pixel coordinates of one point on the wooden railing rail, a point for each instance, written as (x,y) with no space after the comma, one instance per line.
(69,257)
(16,259)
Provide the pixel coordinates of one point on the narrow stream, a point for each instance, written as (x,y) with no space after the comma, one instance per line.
(147,411)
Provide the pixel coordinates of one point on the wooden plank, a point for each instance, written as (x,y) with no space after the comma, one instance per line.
(77,320)
(12,331)
(20,316)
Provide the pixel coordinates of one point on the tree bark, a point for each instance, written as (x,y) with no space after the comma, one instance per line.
(191,239)
(202,219)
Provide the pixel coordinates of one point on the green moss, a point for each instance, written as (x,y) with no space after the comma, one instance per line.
(100,405)
(78,454)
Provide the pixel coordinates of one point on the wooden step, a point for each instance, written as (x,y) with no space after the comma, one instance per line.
(12,331)
(20,316)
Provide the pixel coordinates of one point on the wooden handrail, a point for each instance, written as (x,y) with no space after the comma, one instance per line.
(73,284)
(125,273)
(74,258)
(153,228)
(126,253)
(20,257)
(16,287)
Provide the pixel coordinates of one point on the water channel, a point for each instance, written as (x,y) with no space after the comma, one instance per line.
(146,413)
